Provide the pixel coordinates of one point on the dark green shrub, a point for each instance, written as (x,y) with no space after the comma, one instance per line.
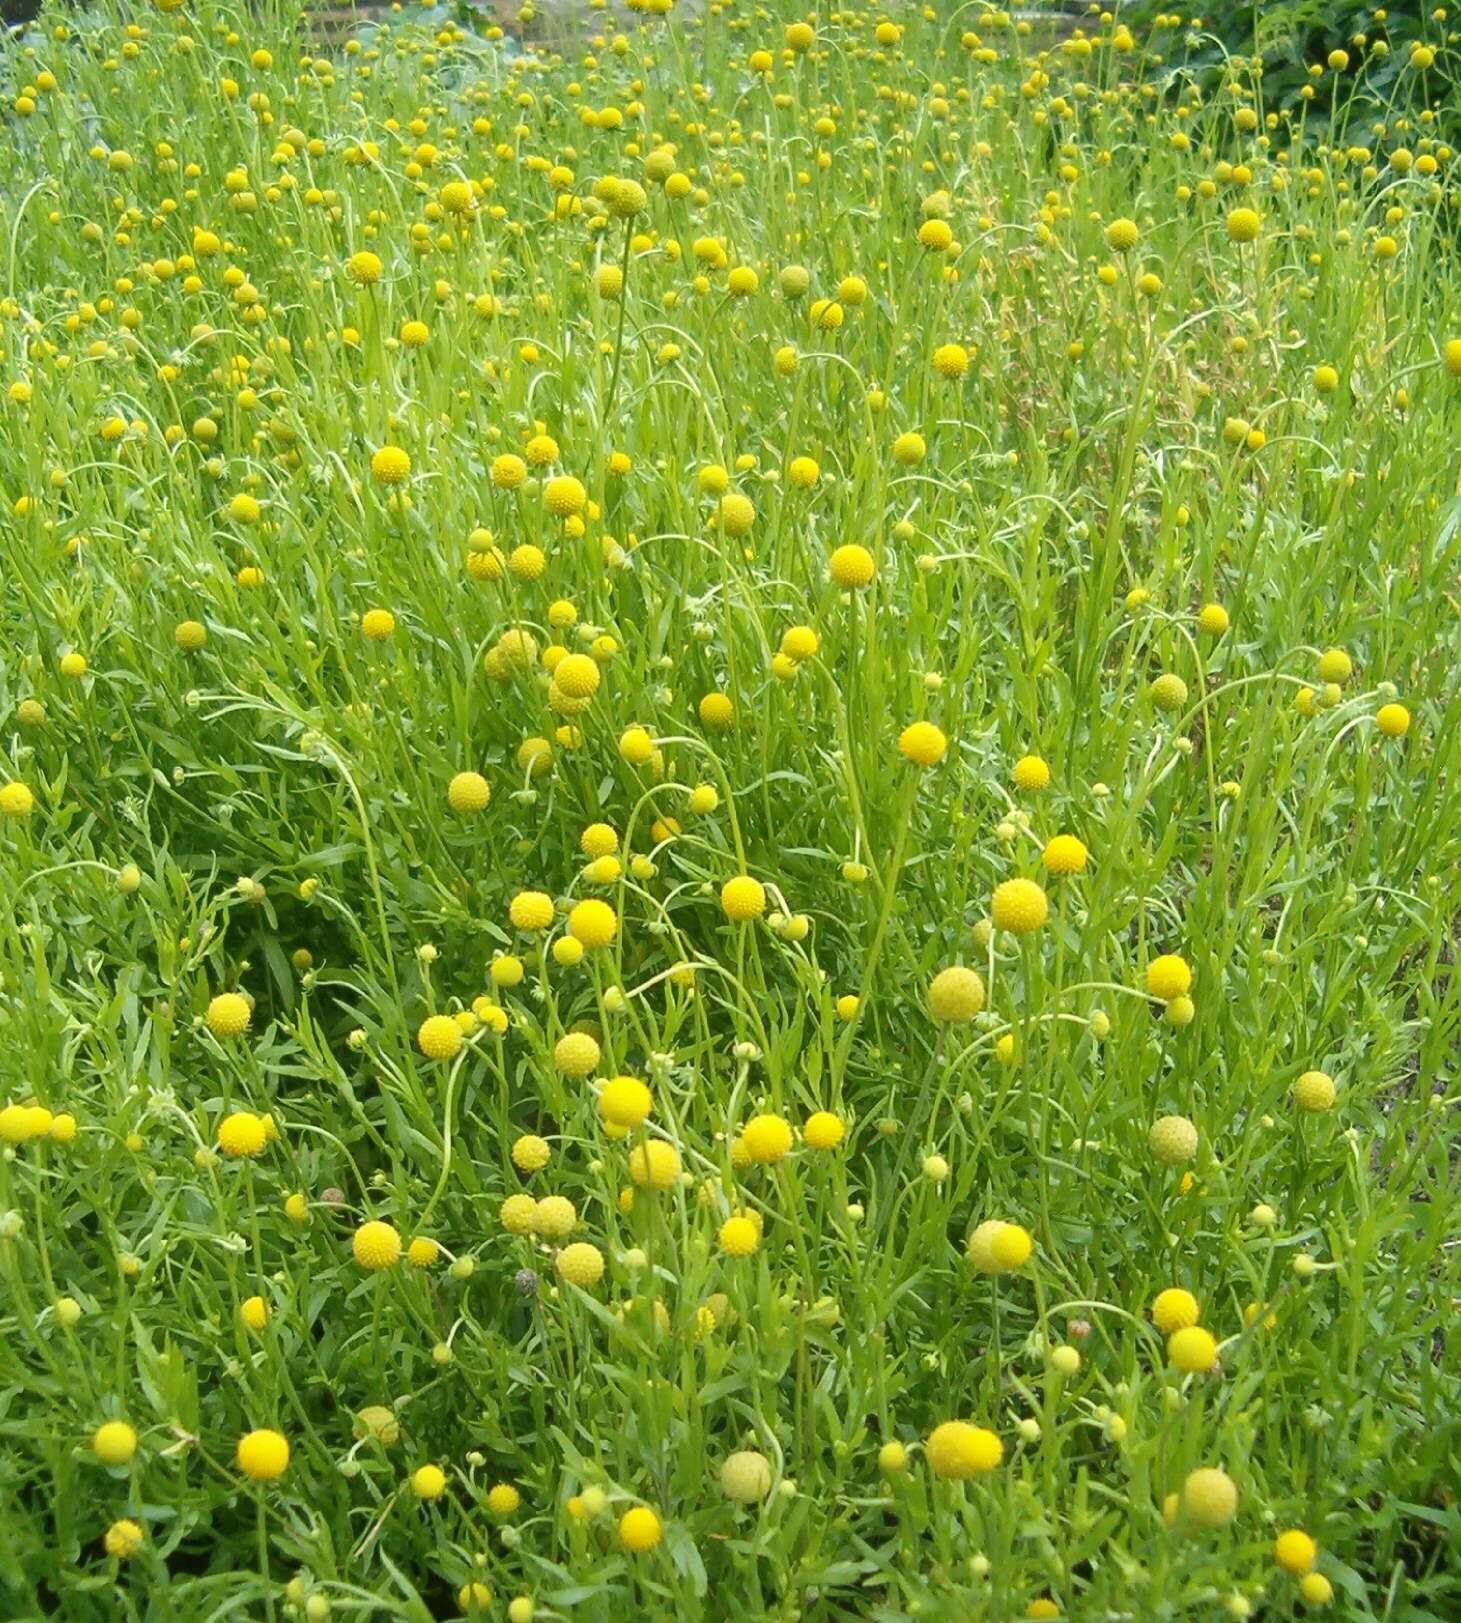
(1295,39)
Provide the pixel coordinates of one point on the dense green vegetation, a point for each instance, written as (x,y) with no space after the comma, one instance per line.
(729,823)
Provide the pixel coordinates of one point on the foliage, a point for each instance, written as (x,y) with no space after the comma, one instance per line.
(427,474)
(1294,40)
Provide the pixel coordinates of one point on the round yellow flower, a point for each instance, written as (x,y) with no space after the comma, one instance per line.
(735,515)
(242,1133)
(262,1455)
(851,566)
(15,1124)
(578,676)
(1314,1091)
(508,471)
(800,643)
(1210,1497)
(746,1476)
(554,1217)
(823,1131)
(228,1015)
(468,792)
(390,465)
(743,898)
(375,1246)
(1335,666)
(507,970)
(1168,692)
(1173,1139)
(625,198)
(439,1037)
(625,1102)
(456,197)
(531,910)
(956,994)
(923,743)
(531,1153)
(1393,720)
(1174,1309)
(1168,977)
(576,1054)
(766,1139)
(957,1450)
(738,1237)
(1064,854)
(640,1529)
(997,1247)
(16,800)
(654,1164)
(114,1443)
(564,496)
(1192,1349)
(376,1421)
(1019,906)
(1243,225)
(580,1264)
(593,922)
(910,449)
(428,1482)
(1031,773)
(123,1538)
(951,361)
(598,840)
(364,267)
(1295,1551)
